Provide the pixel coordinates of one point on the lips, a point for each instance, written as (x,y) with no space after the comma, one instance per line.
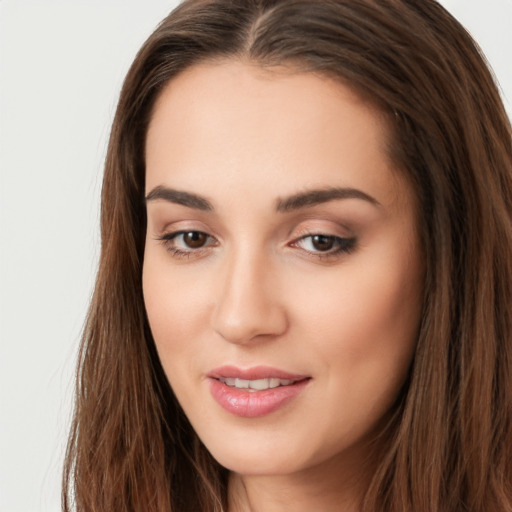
(256,391)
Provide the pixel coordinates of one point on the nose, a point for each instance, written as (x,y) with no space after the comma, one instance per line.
(249,304)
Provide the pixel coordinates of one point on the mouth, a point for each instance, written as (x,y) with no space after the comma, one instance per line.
(257,384)
(254,392)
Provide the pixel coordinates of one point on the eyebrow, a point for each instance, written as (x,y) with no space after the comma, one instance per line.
(319,196)
(283,205)
(179,197)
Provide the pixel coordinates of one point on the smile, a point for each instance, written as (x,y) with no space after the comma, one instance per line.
(255,385)
(254,392)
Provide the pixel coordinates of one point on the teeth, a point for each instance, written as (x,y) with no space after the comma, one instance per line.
(241,383)
(259,384)
(273,383)
(256,385)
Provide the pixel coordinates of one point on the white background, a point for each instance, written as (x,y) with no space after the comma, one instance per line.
(62,63)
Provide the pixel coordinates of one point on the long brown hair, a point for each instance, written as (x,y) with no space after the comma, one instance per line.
(450,448)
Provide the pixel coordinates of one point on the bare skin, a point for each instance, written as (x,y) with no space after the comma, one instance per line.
(280,239)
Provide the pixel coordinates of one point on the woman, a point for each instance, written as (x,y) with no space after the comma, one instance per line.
(304,287)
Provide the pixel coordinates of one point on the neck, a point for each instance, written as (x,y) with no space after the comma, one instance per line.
(329,487)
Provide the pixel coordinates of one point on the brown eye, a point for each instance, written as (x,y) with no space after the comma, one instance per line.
(323,242)
(188,244)
(326,246)
(195,239)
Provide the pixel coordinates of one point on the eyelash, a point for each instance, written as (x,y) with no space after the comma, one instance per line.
(168,241)
(342,245)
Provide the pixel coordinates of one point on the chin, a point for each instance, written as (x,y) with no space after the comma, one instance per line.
(257,457)
(259,466)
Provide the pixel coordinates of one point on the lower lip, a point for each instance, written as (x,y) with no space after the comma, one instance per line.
(251,404)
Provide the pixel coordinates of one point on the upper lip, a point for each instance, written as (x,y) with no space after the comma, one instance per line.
(254,373)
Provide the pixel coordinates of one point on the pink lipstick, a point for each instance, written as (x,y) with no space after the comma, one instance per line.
(255,391)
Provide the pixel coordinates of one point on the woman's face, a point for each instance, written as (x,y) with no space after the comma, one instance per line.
(282,270)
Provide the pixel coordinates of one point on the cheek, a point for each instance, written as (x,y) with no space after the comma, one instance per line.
(364,323)
(174,306)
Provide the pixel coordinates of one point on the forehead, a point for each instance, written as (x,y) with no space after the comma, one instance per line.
(233,123)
